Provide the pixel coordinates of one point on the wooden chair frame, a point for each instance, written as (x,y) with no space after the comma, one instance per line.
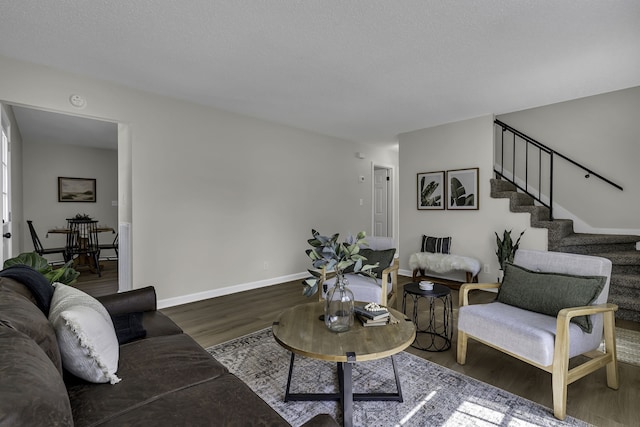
(561,375)
(389,278)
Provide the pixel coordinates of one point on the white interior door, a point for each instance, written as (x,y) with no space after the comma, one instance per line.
(381,208)
(5,186)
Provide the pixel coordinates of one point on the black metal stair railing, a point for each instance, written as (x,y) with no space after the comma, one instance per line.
(542,157)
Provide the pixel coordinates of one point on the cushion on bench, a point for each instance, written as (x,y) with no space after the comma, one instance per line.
(443,263)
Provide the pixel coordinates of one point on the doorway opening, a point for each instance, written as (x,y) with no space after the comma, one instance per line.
(382,201)
(54,144)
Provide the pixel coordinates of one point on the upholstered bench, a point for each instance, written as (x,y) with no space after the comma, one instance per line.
(423,262)
(435,257)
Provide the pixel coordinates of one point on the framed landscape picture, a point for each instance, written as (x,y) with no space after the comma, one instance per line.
(431,191)
(462,185)
(76,189)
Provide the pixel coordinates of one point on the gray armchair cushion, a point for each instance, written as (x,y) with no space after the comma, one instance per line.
(548,293)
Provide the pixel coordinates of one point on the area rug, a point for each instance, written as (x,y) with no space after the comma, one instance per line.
(433,395)
(627,346)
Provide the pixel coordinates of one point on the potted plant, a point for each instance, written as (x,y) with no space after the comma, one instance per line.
(329,254)
(506,249)
(64,274)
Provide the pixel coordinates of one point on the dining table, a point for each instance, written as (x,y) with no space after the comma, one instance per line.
(82,259)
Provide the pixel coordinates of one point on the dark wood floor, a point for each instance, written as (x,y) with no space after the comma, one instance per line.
(97,286)
(220,319)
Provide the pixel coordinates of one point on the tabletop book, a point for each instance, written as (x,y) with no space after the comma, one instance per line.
(372,315)
(369,322)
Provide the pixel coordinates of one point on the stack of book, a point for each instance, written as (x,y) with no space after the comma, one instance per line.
(378,317)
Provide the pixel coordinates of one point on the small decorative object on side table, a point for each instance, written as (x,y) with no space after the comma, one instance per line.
(437,334)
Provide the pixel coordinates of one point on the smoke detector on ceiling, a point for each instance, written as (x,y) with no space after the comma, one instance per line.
(78,101)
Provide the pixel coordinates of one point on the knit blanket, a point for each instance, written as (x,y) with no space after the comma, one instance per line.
(38,284)
(444,263)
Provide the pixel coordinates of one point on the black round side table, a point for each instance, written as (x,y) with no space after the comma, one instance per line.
(435,335)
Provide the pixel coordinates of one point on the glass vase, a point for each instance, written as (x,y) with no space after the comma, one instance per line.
(338,308)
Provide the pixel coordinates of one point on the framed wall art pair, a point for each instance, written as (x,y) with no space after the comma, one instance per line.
(453,189)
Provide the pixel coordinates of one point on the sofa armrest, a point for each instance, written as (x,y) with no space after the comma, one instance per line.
(468,287)
(137,300)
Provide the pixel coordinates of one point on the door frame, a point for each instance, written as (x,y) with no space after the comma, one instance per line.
(125,265)
(390,198)
(6,250)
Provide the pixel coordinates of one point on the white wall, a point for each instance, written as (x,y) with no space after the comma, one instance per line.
(460,145)
(42,164)
(600,132)
(214,195)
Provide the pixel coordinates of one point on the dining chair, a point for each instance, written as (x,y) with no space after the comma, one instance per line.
(37,245)
(113,245)
(82,243)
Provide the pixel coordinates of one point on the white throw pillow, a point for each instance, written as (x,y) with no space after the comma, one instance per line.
(85,333)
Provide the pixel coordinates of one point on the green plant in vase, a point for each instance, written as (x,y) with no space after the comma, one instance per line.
(333,256)
(506,248)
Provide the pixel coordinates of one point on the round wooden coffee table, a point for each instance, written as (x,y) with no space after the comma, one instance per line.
(299,330)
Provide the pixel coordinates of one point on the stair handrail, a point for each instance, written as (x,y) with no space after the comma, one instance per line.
(551,152)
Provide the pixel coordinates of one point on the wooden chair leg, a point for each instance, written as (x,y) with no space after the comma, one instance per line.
(613,380)
(559,381)
(462,348)
(560,371)
(96,260)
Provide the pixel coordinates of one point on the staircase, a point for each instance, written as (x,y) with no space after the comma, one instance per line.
(620,249)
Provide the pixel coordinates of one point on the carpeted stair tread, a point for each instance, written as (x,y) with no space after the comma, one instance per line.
(598,239)
(538,213)
(558,229)
(622,257)
(520,199)
(625,300)
(625,314)
(501,194)
(625,263)
(586,243)
(500,186)
(631,281)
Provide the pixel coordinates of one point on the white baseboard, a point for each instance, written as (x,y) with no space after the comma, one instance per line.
(407,273)
(213,293)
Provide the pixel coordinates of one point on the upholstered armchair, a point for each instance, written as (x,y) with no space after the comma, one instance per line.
(384,288)
(550,308)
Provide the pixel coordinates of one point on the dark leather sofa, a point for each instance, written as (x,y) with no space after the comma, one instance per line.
(167,378)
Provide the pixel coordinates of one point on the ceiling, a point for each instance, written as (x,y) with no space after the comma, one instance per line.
(362,70)
(53,128)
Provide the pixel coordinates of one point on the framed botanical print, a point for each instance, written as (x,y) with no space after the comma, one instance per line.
(462,185)
(431,190)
